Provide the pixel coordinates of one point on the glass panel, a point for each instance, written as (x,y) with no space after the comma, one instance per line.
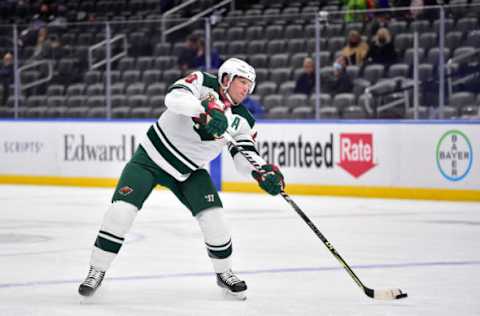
(6,72)
(84,91)
(128,86)
(462,43)
(275,42)
(367,61)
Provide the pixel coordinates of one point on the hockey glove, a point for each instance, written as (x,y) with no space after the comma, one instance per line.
(213,119)
(270,179)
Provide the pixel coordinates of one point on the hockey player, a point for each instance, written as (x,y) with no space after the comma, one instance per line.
(200,109)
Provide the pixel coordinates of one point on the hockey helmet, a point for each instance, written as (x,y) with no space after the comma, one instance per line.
(233,67)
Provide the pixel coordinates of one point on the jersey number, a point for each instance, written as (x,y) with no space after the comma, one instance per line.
(210,198)
(191,78)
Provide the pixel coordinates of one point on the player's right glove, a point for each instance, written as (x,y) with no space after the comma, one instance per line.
(270,179)
(213,119)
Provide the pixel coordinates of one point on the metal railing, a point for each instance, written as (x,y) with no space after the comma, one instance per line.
(193,19)
(398,89)
(118,38)
(39,81)
(454,79)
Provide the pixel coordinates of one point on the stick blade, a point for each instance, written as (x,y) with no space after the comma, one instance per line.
(387,294)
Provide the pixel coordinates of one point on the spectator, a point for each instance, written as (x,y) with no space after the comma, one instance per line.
(6,75)
(254,107)
(43,17)
(356,50)
(340,81)
(382,19)
(43,44)
(200,62)
(306,82)
(30,36)
(416,8)
(381,49)
(59,22)
(353,5)
(186,58)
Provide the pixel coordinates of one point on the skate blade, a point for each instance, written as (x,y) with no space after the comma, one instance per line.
(239,296)
(88,299)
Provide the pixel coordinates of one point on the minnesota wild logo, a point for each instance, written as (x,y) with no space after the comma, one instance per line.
(126,190)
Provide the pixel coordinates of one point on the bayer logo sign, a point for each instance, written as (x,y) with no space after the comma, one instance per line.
(454,155)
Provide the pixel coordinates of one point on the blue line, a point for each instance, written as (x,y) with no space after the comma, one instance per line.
(251,272)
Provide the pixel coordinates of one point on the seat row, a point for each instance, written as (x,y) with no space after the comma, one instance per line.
(117,100)
(295,31)
(403,43)
(346,105)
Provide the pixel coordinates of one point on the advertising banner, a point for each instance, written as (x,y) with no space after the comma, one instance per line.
(341,158)
(387,155)
(68,149)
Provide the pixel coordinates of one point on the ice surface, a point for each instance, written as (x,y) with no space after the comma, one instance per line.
(429,249)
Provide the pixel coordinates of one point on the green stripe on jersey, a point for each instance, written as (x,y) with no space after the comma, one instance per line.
(179,86)
(167,154)
(210,81)
(178,152)
(243,112)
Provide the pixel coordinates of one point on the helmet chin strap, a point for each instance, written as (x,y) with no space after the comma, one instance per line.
(227,95)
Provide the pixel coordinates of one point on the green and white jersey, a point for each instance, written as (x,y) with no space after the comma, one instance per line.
(178,145)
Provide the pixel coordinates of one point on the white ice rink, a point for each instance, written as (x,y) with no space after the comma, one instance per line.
(429,249)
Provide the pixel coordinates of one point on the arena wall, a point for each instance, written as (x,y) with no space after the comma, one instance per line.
(393,159)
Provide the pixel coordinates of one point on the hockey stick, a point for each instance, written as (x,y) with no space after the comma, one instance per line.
(384,294)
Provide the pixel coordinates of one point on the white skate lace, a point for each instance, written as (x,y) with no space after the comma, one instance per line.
(229,278)
(94,278)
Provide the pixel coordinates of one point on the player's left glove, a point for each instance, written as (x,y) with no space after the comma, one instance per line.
(214,119)
(270,179)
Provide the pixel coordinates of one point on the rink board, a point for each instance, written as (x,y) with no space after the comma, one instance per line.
(404,159)
(397,159)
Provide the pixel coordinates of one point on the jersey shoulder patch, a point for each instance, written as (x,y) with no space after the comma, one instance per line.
(242,111)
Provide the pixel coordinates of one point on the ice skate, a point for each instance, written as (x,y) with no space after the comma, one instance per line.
(92,282)
(232,285)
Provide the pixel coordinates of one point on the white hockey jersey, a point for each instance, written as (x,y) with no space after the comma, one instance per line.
(178,145)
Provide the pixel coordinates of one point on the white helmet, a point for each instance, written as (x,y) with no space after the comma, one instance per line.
(236,67)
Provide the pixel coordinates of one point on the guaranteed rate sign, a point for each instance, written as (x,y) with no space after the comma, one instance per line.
(300,153)
(356,153)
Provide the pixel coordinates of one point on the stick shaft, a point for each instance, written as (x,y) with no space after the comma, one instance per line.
(319,234)
(306,219)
